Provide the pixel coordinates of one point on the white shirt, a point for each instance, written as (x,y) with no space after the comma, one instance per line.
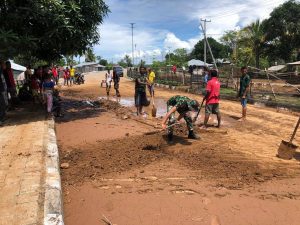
(108,77)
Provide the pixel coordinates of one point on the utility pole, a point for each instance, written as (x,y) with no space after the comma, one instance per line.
(169,55)
(204,31)
(132,42)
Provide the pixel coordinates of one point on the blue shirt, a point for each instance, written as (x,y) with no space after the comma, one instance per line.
(49,84)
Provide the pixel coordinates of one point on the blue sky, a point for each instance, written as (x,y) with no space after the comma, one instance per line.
(163,25)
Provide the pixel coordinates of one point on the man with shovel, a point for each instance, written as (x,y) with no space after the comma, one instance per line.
(183,105)
(212,98)
(140,96)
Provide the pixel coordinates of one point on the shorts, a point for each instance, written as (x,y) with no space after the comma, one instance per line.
(212,108)
(244,102)
(151,88)
(141,99)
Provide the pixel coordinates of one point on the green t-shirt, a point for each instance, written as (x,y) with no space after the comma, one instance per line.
(141,87)
(245,81)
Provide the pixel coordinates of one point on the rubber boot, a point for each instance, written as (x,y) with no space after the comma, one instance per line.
(170,137)
(192,135)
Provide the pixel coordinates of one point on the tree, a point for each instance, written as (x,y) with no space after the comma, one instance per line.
(253,37)
(127,60)
(103,62)
(282,31)
(49,29)
(179,57)
(90,55)
(142,63)
(122,63)
(219,50)
(70,61)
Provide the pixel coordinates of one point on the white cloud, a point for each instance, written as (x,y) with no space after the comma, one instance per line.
(173,42)
(175,24)
(116,40)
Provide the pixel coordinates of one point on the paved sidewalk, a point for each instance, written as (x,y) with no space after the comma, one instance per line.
(23,145)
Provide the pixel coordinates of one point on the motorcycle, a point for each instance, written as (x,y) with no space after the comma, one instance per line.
(79,78)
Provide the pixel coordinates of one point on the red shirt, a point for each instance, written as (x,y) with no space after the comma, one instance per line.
(67,74)
(174,68)
(54,72)
(213,87)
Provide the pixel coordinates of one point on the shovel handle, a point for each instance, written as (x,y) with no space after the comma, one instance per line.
(199,110)
(295,130)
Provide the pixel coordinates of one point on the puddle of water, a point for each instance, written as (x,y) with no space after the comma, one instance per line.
(129,102)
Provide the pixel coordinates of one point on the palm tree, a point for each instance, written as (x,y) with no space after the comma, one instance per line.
(89,55)
(254,37)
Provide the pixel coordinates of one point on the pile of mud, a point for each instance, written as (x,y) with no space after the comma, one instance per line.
(211,156)
(106,157)
(216,163)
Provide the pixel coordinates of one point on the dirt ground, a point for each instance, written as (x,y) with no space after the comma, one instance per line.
(119,172)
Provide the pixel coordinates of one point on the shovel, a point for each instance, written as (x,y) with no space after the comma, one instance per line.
(287,149)
(153,111)
(158,131)
(195,119)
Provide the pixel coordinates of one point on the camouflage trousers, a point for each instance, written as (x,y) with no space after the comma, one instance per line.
(172,120)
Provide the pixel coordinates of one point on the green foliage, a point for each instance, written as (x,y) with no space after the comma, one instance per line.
(282,31)
(125,62)
(122,63)
(142,63)
(103,62)
(90,55)
(253,37)
(158,64)
(179,57)
(218,49)
(70,61)
(49,29)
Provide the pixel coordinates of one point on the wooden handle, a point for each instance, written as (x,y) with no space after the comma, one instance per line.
(295,131)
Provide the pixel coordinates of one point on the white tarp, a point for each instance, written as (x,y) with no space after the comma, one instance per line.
(16,66)
(294,63)
(276,68)
(196,62)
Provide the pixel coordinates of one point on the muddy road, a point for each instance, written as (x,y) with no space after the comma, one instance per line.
(118,172)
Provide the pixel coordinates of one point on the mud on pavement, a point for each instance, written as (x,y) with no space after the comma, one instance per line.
(214,159)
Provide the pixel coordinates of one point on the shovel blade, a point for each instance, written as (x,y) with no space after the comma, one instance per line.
(286,150)
(153,111)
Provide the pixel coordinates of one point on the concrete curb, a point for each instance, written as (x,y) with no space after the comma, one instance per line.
(53,204)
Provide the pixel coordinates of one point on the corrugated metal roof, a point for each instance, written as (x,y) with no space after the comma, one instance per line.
(86,64)
(276,68)
(196,62)
(294,63)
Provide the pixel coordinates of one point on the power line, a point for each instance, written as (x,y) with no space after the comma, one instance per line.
(237,10)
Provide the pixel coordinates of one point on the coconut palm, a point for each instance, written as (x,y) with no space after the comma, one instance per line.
(253,36)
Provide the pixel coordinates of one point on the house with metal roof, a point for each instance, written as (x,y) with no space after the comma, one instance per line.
(87,67)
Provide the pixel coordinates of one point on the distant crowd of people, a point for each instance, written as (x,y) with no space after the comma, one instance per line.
(38,86)
(183,105)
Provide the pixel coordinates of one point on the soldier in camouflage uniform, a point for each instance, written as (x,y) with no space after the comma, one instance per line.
(182,105)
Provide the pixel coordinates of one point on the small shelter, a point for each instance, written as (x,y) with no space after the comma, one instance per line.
(277,68)
(196,62)
(87,67)
(100,67)
(18,70)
